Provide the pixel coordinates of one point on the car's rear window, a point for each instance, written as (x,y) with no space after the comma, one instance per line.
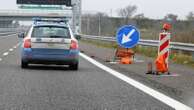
(50,32)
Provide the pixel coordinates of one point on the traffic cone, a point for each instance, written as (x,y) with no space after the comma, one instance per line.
(161,66)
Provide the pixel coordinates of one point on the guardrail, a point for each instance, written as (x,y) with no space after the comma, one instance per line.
(154,43)
(7,33)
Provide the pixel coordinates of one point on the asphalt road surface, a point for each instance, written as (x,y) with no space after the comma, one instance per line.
(58,88)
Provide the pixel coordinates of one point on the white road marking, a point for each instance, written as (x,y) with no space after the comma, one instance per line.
(157,95)
(113,62)
(171,75)
(5,54)
(1,59)
(15,47)
(11,50)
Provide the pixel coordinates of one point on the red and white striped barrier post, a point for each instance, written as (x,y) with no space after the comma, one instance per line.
(164,46)
(162,64)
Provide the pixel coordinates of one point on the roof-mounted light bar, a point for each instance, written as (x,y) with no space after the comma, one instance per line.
(50,20)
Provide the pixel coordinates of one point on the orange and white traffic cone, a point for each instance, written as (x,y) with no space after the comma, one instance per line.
(161,66)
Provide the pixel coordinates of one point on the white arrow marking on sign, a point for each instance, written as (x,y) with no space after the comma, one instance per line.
(127,38)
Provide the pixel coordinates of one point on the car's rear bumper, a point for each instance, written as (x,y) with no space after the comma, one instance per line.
(66,58)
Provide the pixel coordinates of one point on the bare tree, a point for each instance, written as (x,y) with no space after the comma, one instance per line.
(96,24)
(100,19)
(139,16)
(171,18)
(190,16)
(128,11)
(101,14)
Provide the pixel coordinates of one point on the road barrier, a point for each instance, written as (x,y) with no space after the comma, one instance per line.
(164,46)
(154,43)
(7,33)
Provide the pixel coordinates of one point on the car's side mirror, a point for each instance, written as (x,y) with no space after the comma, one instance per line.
(21,35)
(78,37)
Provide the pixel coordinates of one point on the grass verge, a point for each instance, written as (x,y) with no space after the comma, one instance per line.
(176,57)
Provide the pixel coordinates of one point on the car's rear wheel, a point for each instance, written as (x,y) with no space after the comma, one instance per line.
(74,66)
(24,64)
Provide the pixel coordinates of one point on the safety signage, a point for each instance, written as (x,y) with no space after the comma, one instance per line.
(164,46)
(128,36)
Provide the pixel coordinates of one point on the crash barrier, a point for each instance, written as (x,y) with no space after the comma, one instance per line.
(8,31)
(153,43)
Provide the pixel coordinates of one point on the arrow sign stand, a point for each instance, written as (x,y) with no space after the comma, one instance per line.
(127,37)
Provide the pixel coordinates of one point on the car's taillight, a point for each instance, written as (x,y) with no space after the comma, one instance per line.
(74,44)
(27,43)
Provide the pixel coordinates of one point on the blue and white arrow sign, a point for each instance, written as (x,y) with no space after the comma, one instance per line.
(128,36)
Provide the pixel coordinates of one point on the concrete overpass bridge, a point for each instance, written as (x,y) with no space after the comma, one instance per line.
(27,14)
(8,16)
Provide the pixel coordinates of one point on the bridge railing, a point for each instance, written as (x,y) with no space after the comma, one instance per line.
(36,12)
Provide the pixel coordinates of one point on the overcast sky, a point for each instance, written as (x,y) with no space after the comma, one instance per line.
(151,8)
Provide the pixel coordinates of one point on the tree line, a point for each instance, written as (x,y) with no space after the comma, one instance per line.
(103,25)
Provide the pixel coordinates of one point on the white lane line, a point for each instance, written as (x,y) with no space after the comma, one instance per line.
(157,95)
(11,50)
(5,54)
(1,59)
